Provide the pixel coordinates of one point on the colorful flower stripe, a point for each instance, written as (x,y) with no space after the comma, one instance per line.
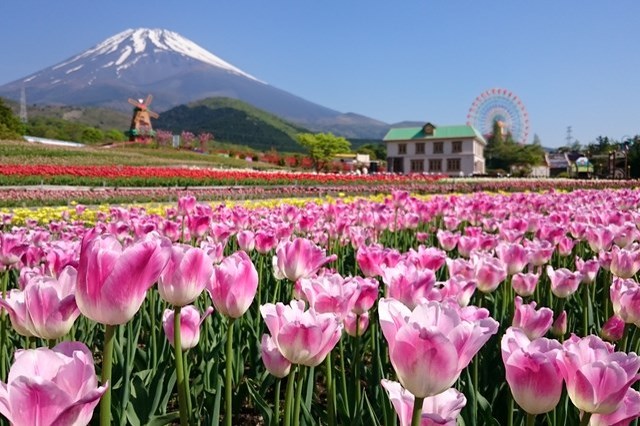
(201,174)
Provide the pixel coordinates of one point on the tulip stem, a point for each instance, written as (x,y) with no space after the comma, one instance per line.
(331,409)
(510,409)
(107,362)
(416,417)
(228,389)
(531,419)
(152,316)
(356,369)
(298,401)
(343,375)
(276,404)
(3,325)
(180,380)
(288,398)
(585,309)
(585,419)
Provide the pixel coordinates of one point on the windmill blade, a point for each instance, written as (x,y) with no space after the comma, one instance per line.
(147,102)
(135,103)
(152,114)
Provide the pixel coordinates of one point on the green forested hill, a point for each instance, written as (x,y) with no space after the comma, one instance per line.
(232,121)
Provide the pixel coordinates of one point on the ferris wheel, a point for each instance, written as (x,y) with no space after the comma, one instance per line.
(503,106)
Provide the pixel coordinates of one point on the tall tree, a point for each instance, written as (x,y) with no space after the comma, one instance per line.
(323,147)
(503,152)
(10,125)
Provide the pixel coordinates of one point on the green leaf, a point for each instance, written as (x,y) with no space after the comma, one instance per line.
(164,419)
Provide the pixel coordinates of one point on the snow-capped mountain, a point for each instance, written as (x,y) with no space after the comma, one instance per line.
(175,70)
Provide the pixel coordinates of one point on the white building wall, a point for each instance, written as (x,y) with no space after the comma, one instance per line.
(471,157)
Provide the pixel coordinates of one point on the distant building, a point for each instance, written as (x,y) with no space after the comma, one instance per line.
(558,163)
(450,150)
(353,161)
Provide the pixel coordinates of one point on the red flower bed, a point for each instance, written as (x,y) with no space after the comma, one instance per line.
(192,175)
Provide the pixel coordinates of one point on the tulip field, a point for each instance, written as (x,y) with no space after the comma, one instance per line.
(479,308)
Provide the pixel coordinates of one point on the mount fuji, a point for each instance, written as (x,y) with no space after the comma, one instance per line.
(176,71)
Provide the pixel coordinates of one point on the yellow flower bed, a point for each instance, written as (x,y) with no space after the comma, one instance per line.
(89,216)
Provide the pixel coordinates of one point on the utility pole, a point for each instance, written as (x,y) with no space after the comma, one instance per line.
(23,105)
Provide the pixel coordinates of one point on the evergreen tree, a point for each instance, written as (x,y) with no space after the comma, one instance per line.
(10,125)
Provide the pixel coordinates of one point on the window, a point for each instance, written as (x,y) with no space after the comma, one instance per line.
(417,166)
(402,148)
(420,148)
(435,165)
(438,147)
(456,147)
(453,164)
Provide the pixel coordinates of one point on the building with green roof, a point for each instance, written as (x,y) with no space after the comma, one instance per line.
(450,150)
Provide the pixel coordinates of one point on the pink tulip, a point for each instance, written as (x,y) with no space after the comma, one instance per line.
(441,409)
(275,363)
(330,293)
(540,252)
(12,247)
(597,378)
(624,263)
(233,285)
(298,259)
(407,283)
(461,268)
(563,282)
(186,205)
(565,246)
(625,298)
(624,235)
(246,241)
(350,324)
(265,242)
(559,327)
(16,307)
(627,411)
(112,280)
(51,304)
(198,225)
(513,255)
(428,257)
(587,269)
(447,239)
(190,322)
(525,284)
(457,289)
(467,244)
(51,387)
(531,371)
(367,294)
(302,337)
(534,323)
(489,272)
(599,238)
(605,257)
(613,329)
(186,275)
(370,260)
(432,344)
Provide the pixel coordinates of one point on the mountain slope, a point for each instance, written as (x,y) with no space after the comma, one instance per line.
(176,71)
(233,121)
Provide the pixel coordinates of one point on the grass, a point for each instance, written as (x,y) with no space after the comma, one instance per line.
(21,152)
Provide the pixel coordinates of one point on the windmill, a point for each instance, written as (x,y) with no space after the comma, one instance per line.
(140,129)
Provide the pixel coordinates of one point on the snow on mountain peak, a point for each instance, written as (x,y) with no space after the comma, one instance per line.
(128,46)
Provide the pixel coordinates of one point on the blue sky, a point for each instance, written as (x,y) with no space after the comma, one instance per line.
(572,63)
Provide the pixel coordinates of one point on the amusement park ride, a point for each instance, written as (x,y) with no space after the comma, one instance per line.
(140,129)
